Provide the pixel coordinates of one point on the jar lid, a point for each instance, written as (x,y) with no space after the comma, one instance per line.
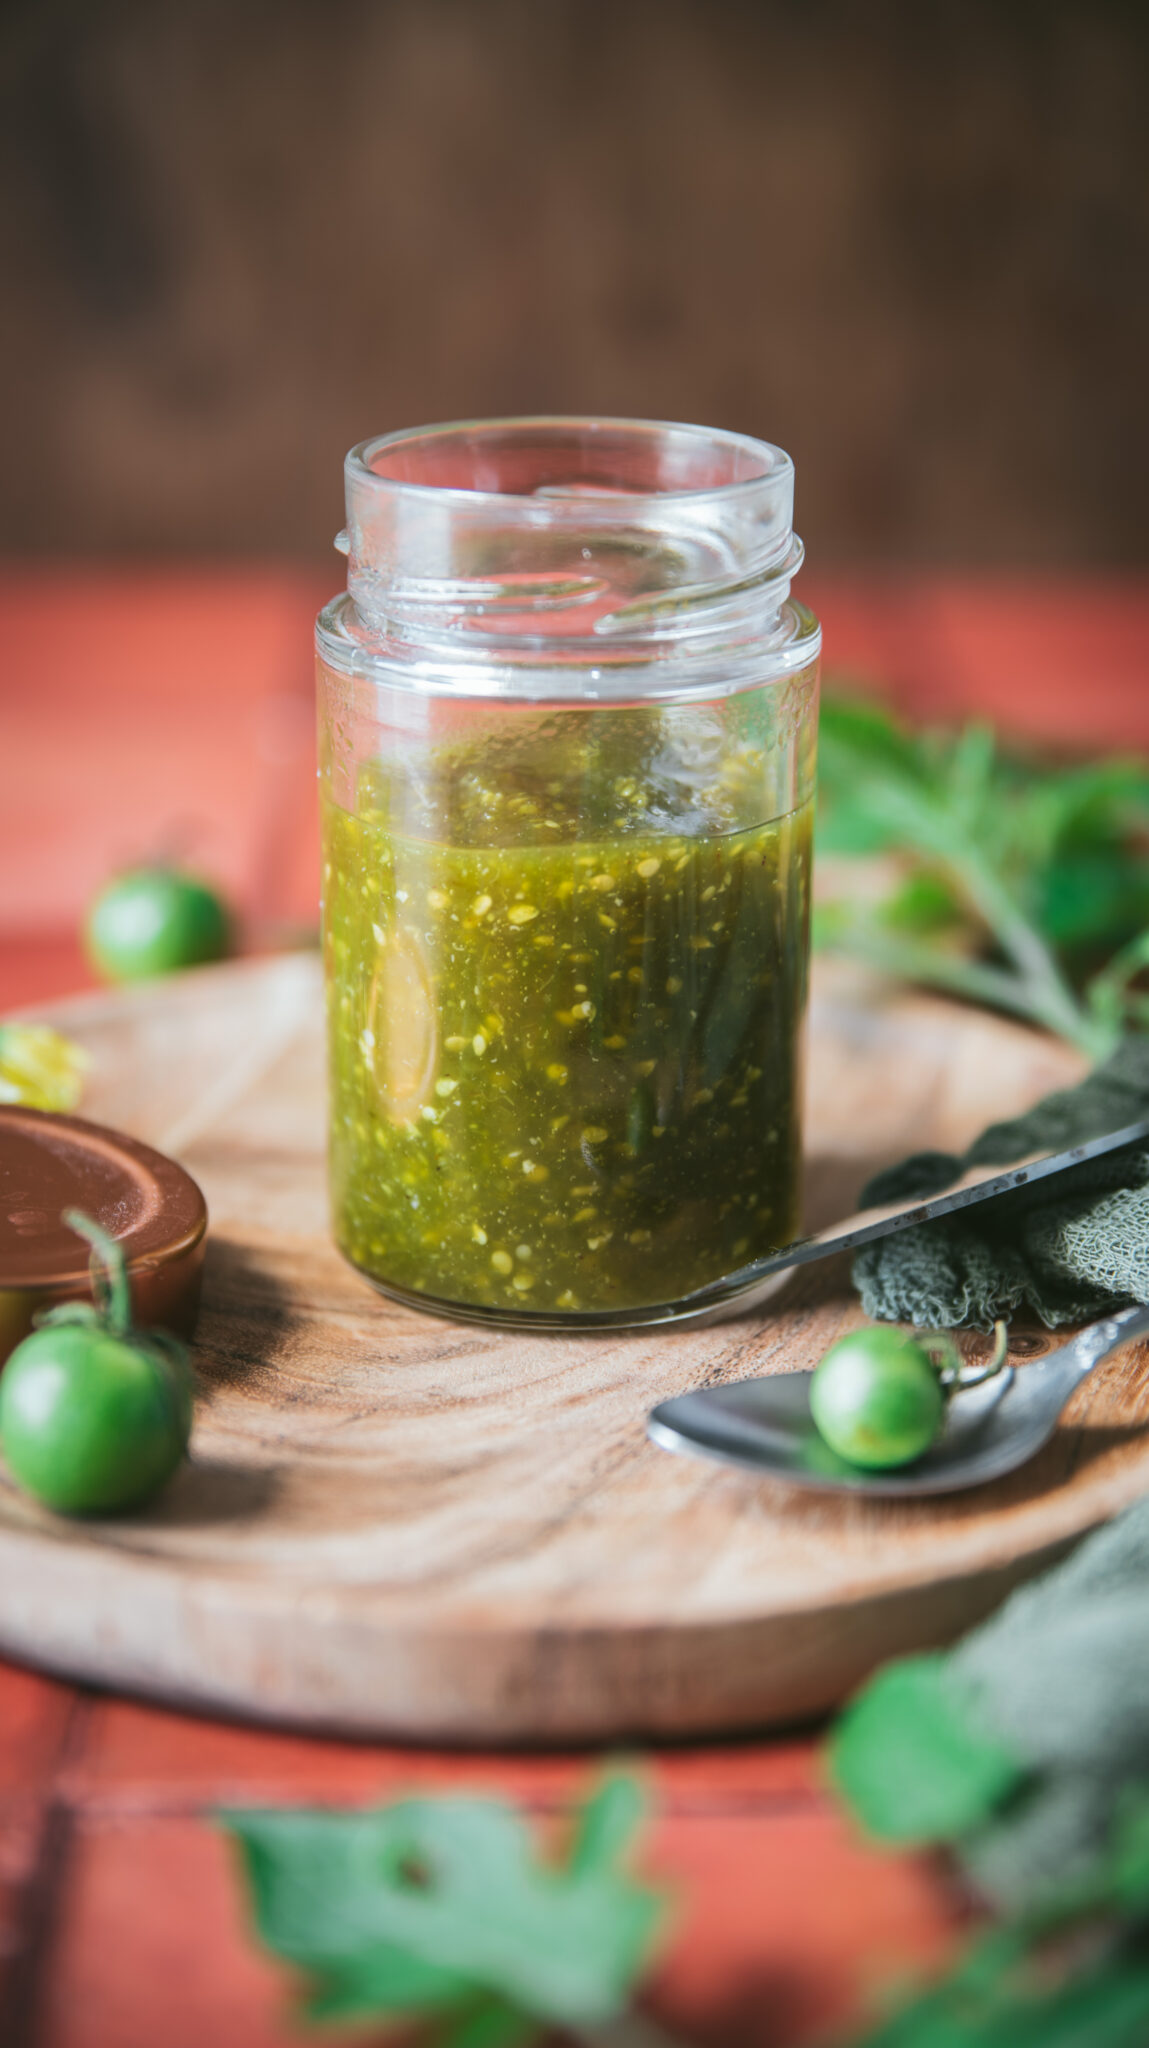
(154,1210)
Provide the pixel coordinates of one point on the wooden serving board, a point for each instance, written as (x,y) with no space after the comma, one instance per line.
(393,1524)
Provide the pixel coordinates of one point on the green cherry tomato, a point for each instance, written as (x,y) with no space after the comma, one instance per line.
(153,921)
(92,1423)
(877,1399)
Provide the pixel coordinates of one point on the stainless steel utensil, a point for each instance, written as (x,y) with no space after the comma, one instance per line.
(748,1285)
(766,1425)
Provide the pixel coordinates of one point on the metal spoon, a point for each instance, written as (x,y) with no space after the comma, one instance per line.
(991,1428)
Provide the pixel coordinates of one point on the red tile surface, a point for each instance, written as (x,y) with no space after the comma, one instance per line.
(783,1922)
(1054,661)
(152,1950)
(155,711)
(34,969)
(34,1716)
(23,1832)
(1057,661)
(789,1929)
(38,1718)
(777,1933)
(136,1755)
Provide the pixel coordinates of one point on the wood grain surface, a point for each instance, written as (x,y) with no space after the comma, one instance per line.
(393,1524)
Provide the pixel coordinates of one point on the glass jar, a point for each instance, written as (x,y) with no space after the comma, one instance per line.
(567,733)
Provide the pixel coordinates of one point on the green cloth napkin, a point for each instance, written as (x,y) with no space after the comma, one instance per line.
(1025,1744)
(1062,1674)
(1070,1254)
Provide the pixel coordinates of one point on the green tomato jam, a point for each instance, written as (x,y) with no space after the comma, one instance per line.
(565,1068)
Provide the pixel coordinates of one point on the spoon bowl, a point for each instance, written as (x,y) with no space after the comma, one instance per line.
(765,1425)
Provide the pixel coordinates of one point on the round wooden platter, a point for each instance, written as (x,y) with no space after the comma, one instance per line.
(393,1524)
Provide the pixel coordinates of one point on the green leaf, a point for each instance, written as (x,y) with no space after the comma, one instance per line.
(1095,899)
(490,2023)
(606,1824)
(430,1902)
(386,1980)
(858,742)
(969,772)
(1129,1855)
(912,1762)
(1062,1664)
(1098,804)
(1042,873)
(924,902)
(868,731)
(1104,2006)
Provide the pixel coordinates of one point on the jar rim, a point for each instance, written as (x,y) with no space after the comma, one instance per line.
(626,675)
(770,465)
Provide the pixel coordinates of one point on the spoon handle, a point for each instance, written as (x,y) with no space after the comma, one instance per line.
(1101,1338)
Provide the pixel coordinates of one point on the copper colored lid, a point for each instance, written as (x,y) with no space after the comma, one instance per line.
(149,1204)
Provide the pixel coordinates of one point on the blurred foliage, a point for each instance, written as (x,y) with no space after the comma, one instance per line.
(40,1068)
(1024,1752)
(1022,886)
(439,1913)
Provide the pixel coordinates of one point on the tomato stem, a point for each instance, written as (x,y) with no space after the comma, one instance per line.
(110,1286)
(955,1375)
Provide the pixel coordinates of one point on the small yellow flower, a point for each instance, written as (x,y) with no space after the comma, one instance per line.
(40,1068)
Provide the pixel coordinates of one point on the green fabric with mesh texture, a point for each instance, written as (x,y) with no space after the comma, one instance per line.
(1067,1255)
